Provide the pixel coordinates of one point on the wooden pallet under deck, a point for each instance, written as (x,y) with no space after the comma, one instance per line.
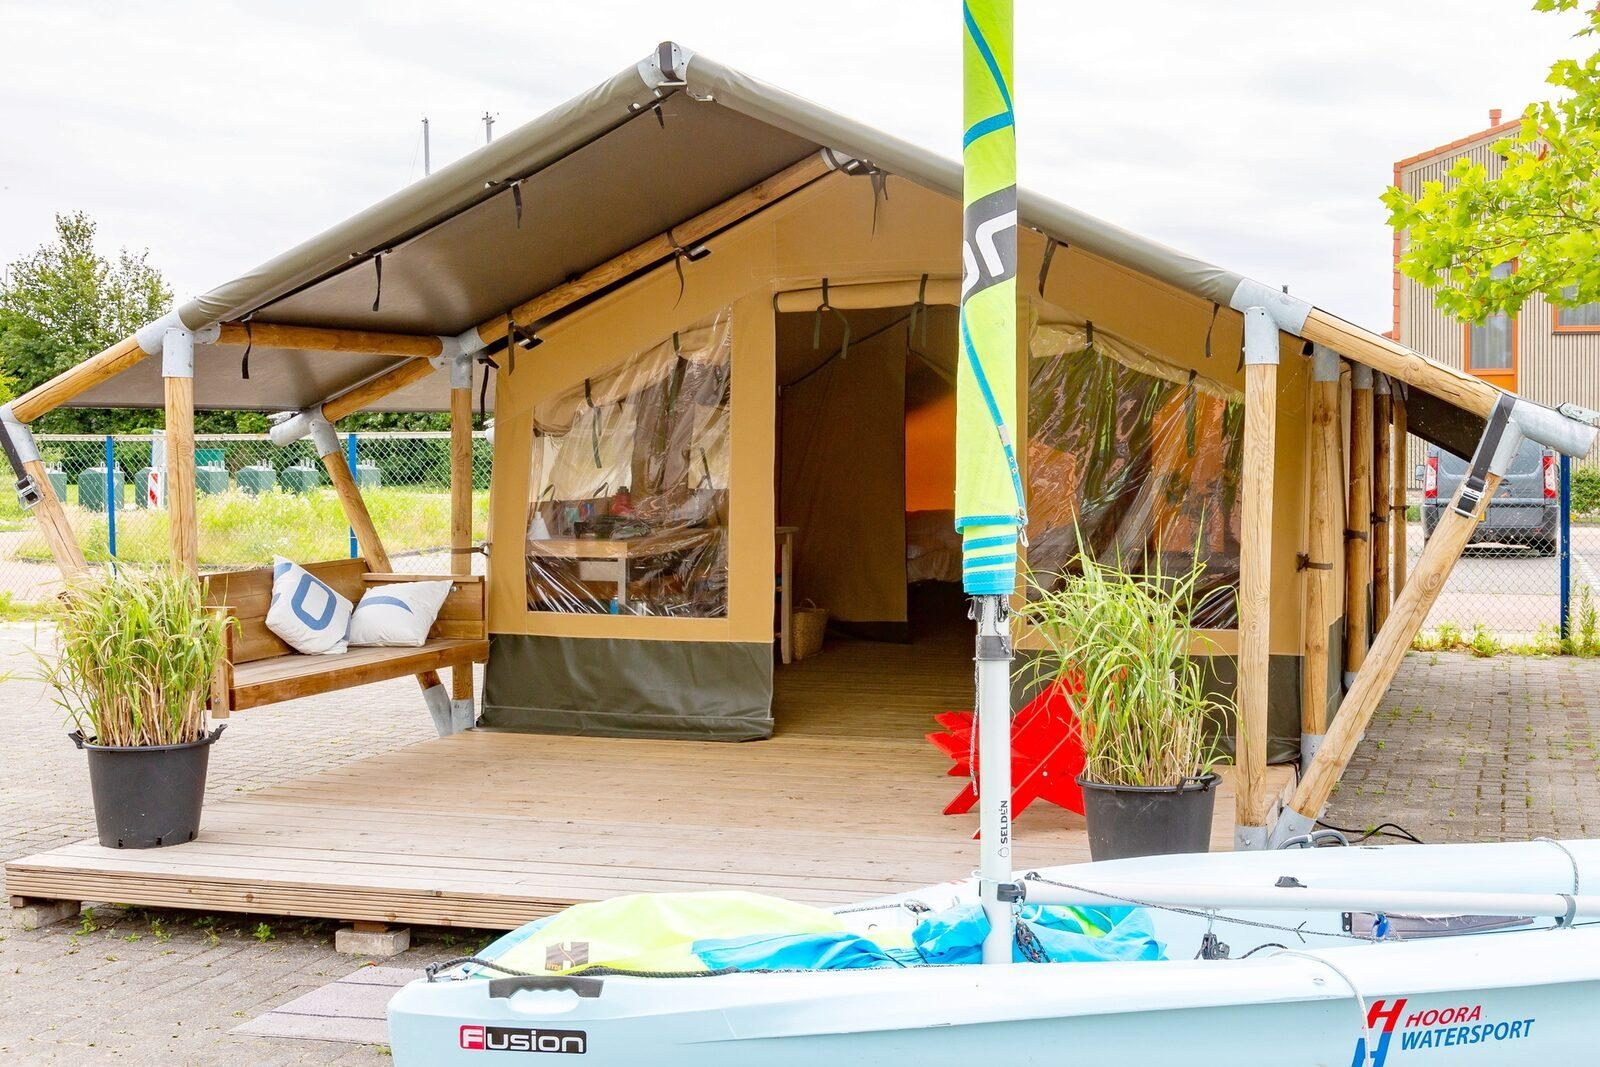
(492,829)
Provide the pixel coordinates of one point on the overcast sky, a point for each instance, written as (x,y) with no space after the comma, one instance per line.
(1254,133)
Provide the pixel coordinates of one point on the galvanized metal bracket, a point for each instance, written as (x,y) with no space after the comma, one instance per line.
(20,448)
(1288,312)
(667,67)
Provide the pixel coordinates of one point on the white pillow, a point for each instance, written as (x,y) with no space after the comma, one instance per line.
(398,614)
(306,612)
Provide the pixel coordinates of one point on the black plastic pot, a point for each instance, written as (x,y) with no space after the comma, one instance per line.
(147,796)
(1133,820)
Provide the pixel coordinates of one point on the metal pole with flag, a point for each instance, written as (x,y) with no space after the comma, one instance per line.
(990,510)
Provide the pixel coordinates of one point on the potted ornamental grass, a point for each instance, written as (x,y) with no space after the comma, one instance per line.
(1123,643)
(136,652)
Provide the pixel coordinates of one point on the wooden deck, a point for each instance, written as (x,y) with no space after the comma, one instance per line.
(492,829)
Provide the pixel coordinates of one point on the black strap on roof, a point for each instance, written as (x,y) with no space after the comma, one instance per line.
(377,294)
(483,390)
(1189,415)
(816,324)
(1215,307)
(919,315)
(249,343)
(880,191)
(1050,246)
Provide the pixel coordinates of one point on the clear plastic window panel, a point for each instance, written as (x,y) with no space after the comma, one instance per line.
(629,508)
(1139,457)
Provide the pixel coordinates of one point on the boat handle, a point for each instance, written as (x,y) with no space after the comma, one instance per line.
(504,988)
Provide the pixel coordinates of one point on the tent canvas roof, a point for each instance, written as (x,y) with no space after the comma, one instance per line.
(624,161)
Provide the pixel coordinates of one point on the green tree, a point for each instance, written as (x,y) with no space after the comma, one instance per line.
(1542,210)
(65,302)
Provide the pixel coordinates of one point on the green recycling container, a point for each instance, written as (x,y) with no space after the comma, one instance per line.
(211,479)
(368,476)
(92,488)
(58,482)
(257,480)
(300,478)
(210,457)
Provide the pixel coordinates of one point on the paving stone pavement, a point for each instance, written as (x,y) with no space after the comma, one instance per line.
(1469,749)
(1463,749)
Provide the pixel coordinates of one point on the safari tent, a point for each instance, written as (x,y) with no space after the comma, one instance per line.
(714,324)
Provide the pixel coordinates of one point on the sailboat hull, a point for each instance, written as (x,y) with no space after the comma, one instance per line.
(1522,993)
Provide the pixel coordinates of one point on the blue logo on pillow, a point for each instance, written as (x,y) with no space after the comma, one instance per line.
(298,602)
(392,601)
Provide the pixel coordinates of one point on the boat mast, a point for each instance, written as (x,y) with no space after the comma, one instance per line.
(990,512)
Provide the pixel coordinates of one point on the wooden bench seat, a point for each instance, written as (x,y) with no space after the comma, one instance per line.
(261,669)
(270,681)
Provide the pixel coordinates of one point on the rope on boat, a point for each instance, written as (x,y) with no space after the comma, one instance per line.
(1361,1002)
(1576,884)
(915,907)
(1210,915)
(433,970)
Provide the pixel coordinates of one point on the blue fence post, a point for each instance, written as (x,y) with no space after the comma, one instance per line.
(112,496)
(350,458)
(1566,549)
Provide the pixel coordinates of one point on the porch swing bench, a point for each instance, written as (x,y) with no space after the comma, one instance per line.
(260,669)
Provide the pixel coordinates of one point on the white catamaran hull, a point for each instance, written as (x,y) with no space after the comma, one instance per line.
(1521,994)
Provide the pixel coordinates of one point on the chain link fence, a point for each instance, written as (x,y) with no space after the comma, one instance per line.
(1529,582)
(256,501)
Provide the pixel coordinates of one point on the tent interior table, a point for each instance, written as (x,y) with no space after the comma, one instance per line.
(842,804)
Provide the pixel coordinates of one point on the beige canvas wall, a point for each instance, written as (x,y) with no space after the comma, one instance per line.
(832,231)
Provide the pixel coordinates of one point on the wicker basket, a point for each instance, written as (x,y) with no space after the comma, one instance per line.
(810,622)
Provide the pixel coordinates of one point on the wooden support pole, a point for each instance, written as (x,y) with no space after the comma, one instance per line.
(461,507)
(1255,577)
(1382,470)
(374,389)
(1411,608)
(661,247)
(53,524)
(1358,522)
(360,520)
(1386,357)
(177,377)
(77,379)
(1398,480)
(313,339)
(1325,508)
(355,511)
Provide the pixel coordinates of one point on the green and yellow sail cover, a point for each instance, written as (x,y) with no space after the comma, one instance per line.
(990,509)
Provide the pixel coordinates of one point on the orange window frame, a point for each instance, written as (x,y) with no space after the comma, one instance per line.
(1504,377)
(1557,326)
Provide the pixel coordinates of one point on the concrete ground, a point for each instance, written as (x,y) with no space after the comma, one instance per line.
(1463,750)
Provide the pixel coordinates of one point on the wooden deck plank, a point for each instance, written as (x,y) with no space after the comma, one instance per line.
(491,829)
